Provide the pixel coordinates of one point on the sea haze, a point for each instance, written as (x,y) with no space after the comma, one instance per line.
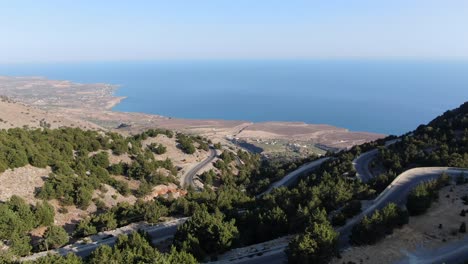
(389,97)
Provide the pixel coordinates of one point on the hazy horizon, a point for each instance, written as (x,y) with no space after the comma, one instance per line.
(56,31)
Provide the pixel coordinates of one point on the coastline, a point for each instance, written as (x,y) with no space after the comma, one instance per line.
(114,102)
(94,103)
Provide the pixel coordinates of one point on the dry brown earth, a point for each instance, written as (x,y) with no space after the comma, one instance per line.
(422,231)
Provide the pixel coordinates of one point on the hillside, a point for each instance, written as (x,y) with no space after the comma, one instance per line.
(421,234)
(77,182)
(76,173)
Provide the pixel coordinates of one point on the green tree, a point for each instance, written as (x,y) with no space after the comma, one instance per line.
(422,196)
(208,177)
(177,257)
(44,213)
(3,166)
(24,212)
(107,221)
(272,223)
(205,234)
(117,169)
(380,223)
(38,160)
(20,244)
(144,189)
(317,245)
(104,254)
(84,194)
(153,212)
(185,144)
(135,249)
(55,237)
(57,259)
(85,228)
(101,159)
(157,148)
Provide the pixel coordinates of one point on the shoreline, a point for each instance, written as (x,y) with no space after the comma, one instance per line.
(116,100)
(95,103)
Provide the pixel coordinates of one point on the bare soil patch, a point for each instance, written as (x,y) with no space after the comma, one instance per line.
(422,231)
(23,182)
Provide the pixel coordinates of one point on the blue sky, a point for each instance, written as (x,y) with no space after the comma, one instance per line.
(113,30)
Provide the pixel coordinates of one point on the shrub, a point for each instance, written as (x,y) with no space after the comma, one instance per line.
(157,148)
(55,237)
(185,144)
(44,214)
(422,196)
(317,245)
(374,228)
(205,234)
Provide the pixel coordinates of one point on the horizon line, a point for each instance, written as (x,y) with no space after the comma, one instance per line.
(305,59)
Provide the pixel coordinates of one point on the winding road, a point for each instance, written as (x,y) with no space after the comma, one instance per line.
(396,192)
(362,162)
(292,176)
(190,175)
(361,165)
(157,233)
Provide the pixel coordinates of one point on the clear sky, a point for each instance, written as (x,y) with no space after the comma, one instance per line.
(108,30)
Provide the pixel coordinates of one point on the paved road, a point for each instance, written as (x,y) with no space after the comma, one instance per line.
(361,165)
(158,233)
(451,253)
(362,162)
(189,176)
(292,176)
(396,192)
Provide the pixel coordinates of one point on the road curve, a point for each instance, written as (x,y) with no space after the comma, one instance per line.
(189,175)
(157,233)
(396,192)
(292,176)
(361,163)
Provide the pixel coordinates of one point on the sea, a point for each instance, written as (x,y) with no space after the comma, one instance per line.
(382,96)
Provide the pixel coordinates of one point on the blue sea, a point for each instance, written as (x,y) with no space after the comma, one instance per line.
(384,96)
